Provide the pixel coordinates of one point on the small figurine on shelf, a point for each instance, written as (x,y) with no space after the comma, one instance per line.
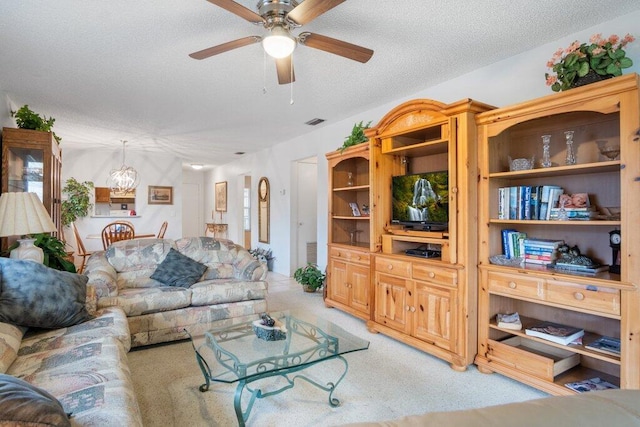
(572,255)
(365,210)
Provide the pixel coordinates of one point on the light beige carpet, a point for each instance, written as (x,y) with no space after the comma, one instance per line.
(387,381)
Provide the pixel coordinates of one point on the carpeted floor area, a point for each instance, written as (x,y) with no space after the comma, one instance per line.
(387,381)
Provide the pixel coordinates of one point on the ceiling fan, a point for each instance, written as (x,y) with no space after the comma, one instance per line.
(279,17)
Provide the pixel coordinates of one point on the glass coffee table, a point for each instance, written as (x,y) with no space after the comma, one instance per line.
(230,351)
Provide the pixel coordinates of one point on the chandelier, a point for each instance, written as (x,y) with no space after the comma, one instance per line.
(125,179)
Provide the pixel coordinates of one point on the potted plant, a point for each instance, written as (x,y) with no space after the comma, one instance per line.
(27,119)
(310,277)
(357,136)
(78,202)
(585,63)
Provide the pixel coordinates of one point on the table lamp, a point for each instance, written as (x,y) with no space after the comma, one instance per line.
(23,214)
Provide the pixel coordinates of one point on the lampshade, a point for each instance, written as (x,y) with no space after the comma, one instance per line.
(24,214)
(125,179)
(279,44)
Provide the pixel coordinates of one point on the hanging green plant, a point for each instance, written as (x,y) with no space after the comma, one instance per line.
(27,119)
(357,136)
(78,202)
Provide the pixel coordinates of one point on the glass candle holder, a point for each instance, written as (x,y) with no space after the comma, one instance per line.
(546,157)
(571,155)
(350,179)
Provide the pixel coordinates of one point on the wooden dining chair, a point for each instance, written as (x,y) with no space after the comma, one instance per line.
(82,252)
(163,229)
(115,231)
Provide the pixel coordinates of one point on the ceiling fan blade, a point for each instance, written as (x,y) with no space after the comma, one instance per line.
(309,10)
(335,46)
(284,66)
(215,50)
(239,10)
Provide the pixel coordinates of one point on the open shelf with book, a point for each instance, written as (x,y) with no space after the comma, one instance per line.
(602,303)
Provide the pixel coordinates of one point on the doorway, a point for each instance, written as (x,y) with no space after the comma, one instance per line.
(306,212)
(192,222)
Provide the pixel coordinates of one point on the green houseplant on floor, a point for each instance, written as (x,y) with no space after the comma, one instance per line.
(310,277)
(78,202)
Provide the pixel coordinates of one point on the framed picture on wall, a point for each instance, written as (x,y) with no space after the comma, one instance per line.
(160,195)
(221,196)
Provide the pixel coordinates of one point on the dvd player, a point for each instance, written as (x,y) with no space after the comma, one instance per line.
(424,253)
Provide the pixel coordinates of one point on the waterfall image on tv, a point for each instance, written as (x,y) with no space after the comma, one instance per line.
(421,198)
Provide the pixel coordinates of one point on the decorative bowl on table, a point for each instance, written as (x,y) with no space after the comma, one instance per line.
(503,260)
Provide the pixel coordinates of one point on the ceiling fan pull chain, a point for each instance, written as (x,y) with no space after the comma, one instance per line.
(264,72)
(291,75)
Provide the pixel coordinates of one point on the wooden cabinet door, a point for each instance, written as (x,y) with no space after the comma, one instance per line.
(102,195)
(359,284)
(435,319)
(338,280)
(392,302)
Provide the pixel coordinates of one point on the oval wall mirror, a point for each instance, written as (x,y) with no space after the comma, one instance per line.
(263,210)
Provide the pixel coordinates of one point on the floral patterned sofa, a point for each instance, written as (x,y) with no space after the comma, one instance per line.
(165,286)
(59,356)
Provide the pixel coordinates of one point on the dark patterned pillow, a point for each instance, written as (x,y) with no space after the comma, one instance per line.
(22,404)
(178,270)
(34,295)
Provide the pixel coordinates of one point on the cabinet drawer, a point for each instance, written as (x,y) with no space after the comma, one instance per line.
(393,266)
(351,256)
(518,285)
(586,297)
(432,274)
(532,357)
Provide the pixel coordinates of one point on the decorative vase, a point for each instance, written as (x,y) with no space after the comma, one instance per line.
(590,77)
(28,251)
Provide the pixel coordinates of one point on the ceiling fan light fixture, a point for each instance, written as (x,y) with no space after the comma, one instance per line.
(279,44)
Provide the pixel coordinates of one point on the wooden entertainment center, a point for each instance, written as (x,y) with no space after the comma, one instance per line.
(447,306)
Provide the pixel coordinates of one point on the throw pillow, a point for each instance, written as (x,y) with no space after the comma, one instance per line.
(22,404)
(34,295)
(178,270)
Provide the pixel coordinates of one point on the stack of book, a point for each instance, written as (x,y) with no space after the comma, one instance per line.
(513,243)
(526,202)
(540,251)
(555,332)
(590,385)
(509,321)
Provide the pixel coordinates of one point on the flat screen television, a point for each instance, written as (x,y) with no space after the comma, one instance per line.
(421,201)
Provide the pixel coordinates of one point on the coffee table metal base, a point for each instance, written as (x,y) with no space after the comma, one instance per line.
(256,393)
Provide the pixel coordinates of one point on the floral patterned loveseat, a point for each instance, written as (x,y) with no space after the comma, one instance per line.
(165,286)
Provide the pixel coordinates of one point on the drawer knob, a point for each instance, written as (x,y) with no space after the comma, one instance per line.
(432,274)
(390,267)
(512,285)
(408,308)
(579,296)
(413,309)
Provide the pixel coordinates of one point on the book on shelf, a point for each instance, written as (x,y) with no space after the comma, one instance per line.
(543,243)
(591,269)
(574,213)
(503,203)
(555,332)
(534,201)
(544,200)
(590,385)
(509,321)
(554,196)
(608,345)
(513,202)
(505,240)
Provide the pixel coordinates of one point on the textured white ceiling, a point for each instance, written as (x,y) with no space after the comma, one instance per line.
(119,70)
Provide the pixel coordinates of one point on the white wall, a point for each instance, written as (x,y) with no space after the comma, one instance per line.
(514,80)
(155,169)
